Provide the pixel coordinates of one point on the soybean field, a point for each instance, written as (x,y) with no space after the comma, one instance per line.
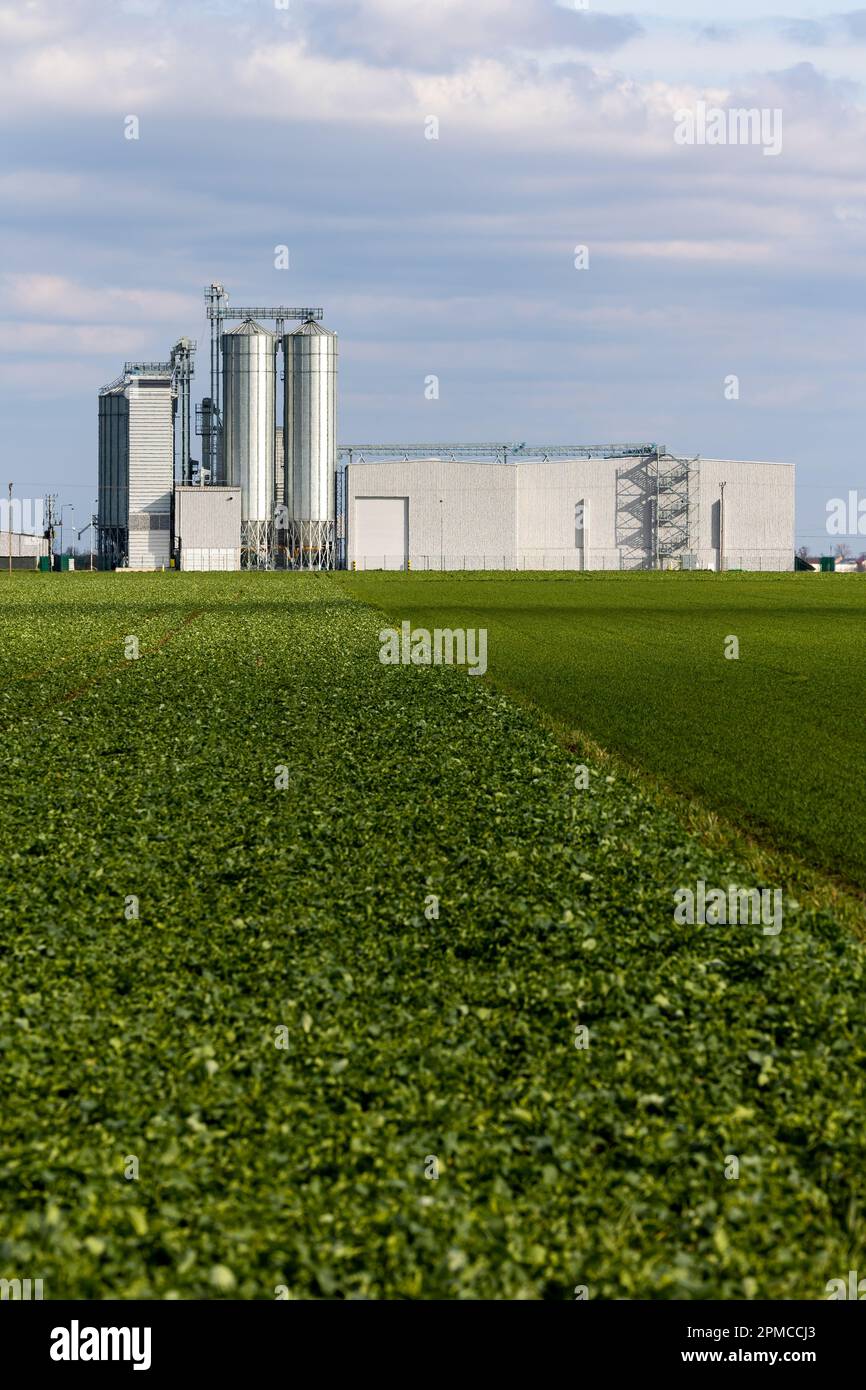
(326,978)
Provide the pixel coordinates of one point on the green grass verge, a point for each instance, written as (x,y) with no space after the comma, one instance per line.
(303,909)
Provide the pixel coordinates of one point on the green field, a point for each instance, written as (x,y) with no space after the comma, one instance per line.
(285,1041)
(775,741)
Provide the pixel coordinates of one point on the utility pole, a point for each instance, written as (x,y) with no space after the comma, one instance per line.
(51,500)
(655,515)
(9,526)
(722,528)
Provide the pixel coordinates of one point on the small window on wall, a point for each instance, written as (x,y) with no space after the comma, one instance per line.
(581,523)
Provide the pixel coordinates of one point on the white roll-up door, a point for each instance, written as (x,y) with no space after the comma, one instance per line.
(381,533)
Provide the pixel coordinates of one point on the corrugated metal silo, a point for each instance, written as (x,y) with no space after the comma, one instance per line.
(248,422)
(113,457)
(113,501)
(310,440)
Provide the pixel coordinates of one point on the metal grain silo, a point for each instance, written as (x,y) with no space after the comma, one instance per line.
(310,443)
(113,504)
(248,429)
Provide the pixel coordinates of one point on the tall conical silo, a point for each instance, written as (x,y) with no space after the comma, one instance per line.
(248,429)
(310,443)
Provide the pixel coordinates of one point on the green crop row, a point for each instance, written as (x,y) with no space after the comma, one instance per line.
(238,1042)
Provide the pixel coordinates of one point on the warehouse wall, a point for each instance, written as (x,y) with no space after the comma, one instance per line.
(476,517)
(549,496)
(526,515)
(21,544)
(759,514)
(207,527)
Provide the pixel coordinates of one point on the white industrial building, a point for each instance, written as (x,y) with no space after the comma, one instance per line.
(274,489)
(652,511)
(207,528)
(23,549)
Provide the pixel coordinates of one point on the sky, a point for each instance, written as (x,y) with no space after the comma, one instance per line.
(306,124)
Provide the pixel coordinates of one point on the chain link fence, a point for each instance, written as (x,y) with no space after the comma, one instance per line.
(594,561)
(591,560)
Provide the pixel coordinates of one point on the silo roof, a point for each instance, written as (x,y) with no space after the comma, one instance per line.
(311,329)
(248,329)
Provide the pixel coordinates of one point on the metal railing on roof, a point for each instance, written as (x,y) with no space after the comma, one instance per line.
(358,453)
(261,311)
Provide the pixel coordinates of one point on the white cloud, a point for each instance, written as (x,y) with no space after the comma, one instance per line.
(122,340)
(33,187)
(30,21)
(59,298)
(79,77)
(738,252)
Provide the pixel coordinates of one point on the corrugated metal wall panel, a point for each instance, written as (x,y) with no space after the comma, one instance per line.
(151,448)
(523,515)
(149,550)
(113,459)
(21,545)
(151,473)
(207,518)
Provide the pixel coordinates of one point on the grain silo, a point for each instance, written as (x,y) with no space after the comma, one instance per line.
(310,444)
(248,432)
(113,502)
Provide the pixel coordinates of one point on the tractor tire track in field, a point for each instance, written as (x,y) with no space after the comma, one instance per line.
(125,664)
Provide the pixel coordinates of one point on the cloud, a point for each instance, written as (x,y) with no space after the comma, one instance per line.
(123,340)
(36,188)
(423,36)
(835,30)
(716,33)
(30,21)
(679,251)
(600,33)
(57,297)
(347,61)
(854,24)
(806,31)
